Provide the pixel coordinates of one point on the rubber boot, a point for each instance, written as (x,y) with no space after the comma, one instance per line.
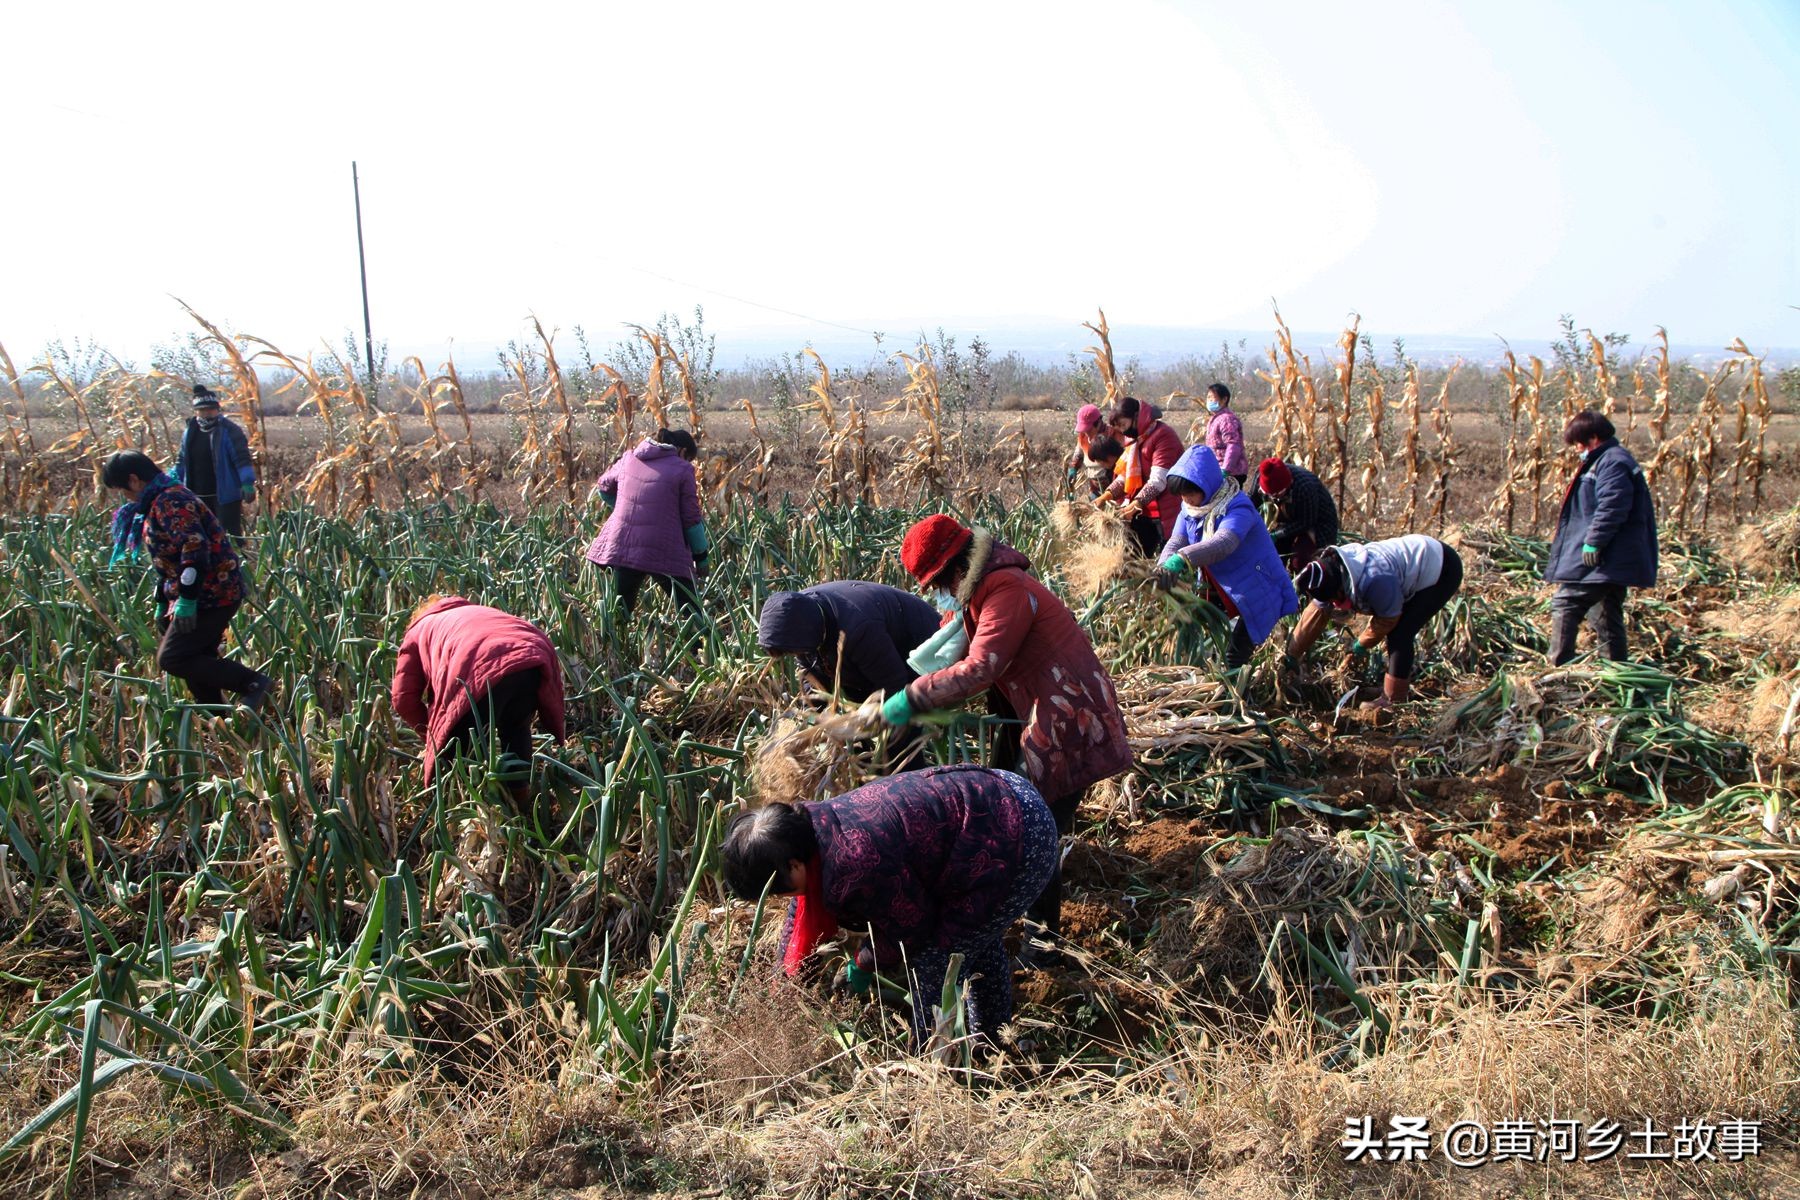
(1394,690)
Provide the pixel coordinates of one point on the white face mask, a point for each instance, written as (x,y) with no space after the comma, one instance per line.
(943,601)
(1191,509)
(1584,455)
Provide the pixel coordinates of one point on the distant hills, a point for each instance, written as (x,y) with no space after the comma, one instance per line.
(1045,342)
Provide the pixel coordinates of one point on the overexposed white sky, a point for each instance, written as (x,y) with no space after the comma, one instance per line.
(1441,168)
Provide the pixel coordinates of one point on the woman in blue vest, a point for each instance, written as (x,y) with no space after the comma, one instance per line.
(1220,538)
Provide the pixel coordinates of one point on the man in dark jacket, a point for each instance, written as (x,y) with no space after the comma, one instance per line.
(1306,518)
(852,638)
(214,462)
(1605,540)
(200,580)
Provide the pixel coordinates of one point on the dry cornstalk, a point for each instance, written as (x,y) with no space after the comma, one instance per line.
(1442,425)
(1339,421)
(1751,462)
(1410,402)
(561,423)
(1376,465)
(1515,405)
(1103,360)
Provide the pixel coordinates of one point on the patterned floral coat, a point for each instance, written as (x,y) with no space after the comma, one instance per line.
(922,858)
(181,532)
(1026,644)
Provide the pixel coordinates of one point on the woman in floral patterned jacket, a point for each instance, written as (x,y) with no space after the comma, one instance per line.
(1023,647)
(934,862)
(201,582)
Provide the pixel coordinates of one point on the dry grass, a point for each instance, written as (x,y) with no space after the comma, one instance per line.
(1093,546)
(812,755)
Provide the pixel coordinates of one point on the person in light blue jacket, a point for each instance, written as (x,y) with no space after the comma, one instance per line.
(1220,539)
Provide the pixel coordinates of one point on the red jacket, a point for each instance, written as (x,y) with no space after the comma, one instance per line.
(458,650)
(1026,643)
(1158,445)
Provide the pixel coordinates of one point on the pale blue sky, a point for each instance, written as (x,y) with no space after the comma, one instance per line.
(1441,168)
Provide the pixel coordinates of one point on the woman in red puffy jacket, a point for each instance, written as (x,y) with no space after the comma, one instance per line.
(466,669)
(1015,641)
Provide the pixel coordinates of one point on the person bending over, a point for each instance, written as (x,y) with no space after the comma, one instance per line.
(934,862)
(1400,583)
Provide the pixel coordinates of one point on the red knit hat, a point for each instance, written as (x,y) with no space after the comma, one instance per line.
(1274,477)
(930,545)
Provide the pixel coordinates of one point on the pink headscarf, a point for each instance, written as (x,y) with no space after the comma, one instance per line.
(1087,418)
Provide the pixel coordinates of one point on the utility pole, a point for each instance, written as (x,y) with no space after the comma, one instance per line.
(362,265)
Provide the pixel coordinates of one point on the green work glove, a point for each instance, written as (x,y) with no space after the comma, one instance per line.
(1358,649)
(696,539)
(1590,556)
(897,709)
(185,615)
(249,493)
(1174,564)
(858,980)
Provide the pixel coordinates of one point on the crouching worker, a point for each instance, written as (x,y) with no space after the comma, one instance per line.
(199,579)
(1306,518)
(934,862)
(466,670)
(1009,636)
(851,639)
(1401,583)
(1220,534)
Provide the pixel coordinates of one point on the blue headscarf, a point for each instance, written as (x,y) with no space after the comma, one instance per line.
(127,533)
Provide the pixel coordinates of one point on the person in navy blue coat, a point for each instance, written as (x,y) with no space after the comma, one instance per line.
(1605,540)
(852,637)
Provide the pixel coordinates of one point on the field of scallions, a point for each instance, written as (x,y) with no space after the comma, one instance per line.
(252,956)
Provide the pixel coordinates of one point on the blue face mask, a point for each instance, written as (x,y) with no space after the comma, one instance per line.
(943,601)
(1584,455)
(1212,406)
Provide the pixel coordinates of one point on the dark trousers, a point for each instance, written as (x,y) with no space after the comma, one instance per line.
(1418,609)
(1239,650)
(1602,604)
(507,709)
(231,516)
(1297,550)
(1006,753)
(1046,910)
(1147,531)
(194,657)
(631,582)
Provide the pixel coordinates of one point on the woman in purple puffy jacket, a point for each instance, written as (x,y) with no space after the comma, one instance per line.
(653,528)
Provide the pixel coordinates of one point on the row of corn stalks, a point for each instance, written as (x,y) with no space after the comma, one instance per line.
(1392,461)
